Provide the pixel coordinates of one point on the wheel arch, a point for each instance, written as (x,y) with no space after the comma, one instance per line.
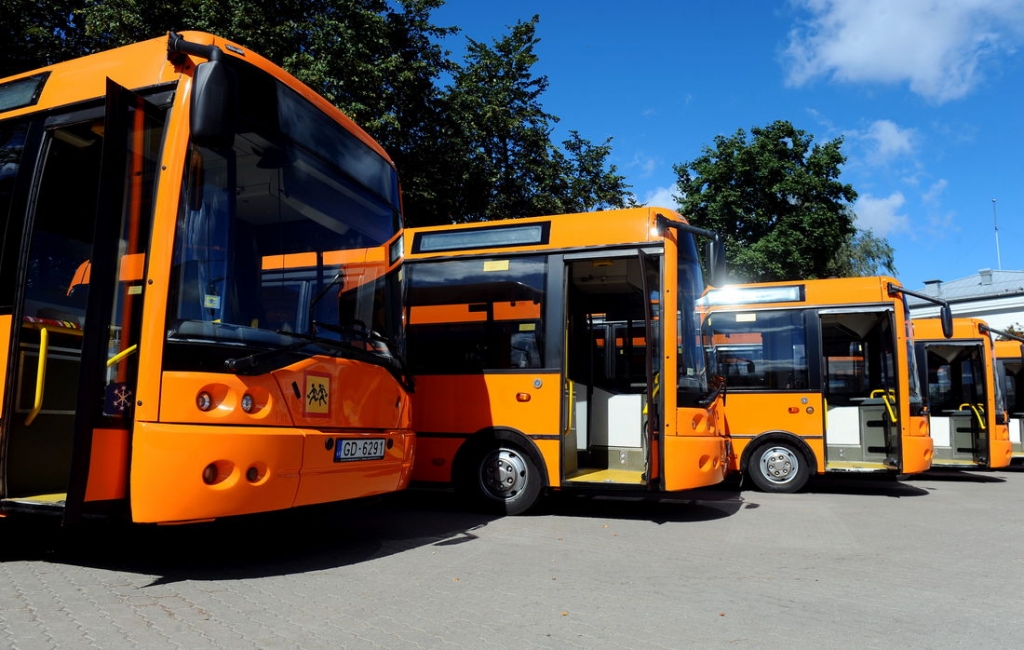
(779,435)
(490,435)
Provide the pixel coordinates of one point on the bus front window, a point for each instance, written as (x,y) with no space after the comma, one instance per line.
(284,235)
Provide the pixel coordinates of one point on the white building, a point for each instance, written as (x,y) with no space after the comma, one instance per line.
(997,297)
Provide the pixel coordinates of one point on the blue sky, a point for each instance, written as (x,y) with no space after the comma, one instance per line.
(927,94)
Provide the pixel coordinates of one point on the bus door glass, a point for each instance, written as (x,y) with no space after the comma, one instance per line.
(87,228)
(957,395)
(1010,372)
(652,406)
(859,369)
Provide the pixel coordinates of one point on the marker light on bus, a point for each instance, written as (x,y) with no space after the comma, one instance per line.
(204,401)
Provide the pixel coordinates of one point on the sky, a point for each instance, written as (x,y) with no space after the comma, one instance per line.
(926,94)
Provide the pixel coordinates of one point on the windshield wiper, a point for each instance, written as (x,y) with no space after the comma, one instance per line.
(251,364)
(257,363)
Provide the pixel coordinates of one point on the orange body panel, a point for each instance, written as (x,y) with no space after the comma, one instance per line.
(259,469)
(696,456)
(917,454)
(168,463)
(108,465)
(466,404)
(748,415)
(320,474)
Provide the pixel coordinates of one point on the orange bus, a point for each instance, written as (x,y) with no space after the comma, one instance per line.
(560,352)
(1010,376)
(200,293)
(967,409)
(821,377)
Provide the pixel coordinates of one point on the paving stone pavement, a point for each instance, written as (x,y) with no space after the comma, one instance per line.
(928,562)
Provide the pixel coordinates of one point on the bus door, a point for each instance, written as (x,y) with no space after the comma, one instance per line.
(1010,372)
(70,362)
(957,396)
(609,384)
(859,366)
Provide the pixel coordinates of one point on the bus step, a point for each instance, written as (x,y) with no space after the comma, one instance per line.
(615,476)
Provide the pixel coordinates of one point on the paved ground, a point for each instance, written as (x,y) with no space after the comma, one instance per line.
(932,562)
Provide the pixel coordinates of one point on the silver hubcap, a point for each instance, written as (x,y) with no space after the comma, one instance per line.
(503,473)
(779,464)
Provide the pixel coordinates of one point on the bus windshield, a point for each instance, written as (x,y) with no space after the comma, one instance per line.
(283,236)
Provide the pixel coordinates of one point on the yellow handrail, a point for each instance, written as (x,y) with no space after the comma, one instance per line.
(121,355)
(44,346)
(978,411)
(887,397)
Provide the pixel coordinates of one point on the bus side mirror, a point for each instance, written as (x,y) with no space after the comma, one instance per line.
(716,262)
(946,315)
(214,105)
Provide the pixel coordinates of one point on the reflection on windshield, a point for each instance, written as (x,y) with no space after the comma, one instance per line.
(693,384)
(283,237)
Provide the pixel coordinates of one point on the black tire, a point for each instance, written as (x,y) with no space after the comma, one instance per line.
(778,466)
(501,478)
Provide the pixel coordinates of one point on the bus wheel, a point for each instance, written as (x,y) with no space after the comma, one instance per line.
(778,467)
(507,480)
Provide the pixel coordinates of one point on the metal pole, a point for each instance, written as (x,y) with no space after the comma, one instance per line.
(995,219)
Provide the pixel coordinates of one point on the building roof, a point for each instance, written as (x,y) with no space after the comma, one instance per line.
(985,284)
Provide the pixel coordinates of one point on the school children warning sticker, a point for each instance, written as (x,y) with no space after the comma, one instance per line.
(318,394)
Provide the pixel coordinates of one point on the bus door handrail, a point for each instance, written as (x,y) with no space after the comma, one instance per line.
(887,397)
(44,349)
(978,411)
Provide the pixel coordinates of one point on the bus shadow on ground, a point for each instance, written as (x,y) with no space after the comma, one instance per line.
(863,484)
(704,504)
(254,546)
(953,475)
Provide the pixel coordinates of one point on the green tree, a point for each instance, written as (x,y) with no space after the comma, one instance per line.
(500,126)
(863,253)
(586,181)
(477,148)
(776,199)
(34,33)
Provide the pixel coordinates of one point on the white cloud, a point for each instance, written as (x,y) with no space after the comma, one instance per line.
(937,46)
(889,141)
(881,215)
(661,197)
(935,191)
(646,164)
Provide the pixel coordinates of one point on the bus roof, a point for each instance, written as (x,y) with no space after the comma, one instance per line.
(141,65)
(803,293)
(927,329)
(579,230)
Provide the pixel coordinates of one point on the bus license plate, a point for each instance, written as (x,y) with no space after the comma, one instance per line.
(359,449)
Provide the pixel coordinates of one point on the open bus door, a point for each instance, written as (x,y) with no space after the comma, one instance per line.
(650,435)
(859,366)
(66,437)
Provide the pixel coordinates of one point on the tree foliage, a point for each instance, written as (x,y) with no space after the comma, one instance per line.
(776,198)
(477,145)
(512,168)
